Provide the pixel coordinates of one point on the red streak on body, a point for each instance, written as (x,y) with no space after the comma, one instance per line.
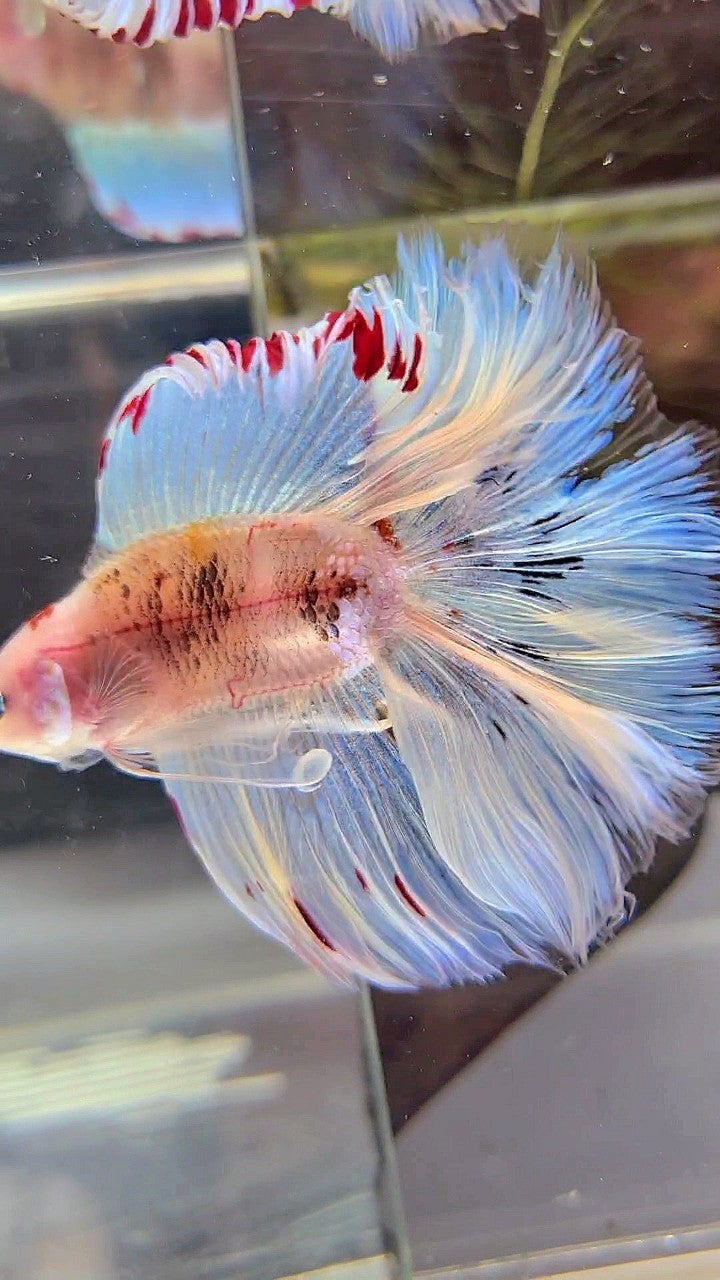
(313,925)
(145,30)
(402,888)
(412,381)
(104,451)
(361,880)
(198,355)
(368,347)
(203,15)
(138,627)
(182,26)
(136,410)
(261,524)
(35,621)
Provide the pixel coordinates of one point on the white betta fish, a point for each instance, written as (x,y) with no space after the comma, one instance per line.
(393,26)
(414,614)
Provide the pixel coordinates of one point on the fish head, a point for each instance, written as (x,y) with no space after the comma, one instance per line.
(36,710)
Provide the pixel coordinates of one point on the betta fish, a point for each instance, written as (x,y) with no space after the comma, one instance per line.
(413,612)
(394,27)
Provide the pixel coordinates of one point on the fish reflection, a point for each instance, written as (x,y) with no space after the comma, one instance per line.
(451,510)
(393,26)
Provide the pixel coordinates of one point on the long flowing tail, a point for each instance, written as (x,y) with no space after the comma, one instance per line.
(555,697)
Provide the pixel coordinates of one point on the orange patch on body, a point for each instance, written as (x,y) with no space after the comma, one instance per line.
(201,540)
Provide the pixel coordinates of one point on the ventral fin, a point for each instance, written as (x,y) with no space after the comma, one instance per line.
(346,876)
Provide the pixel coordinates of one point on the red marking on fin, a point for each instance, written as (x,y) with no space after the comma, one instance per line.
(331,320)
(229,12)
(368,347)
(402,888)
(361,880)
(198,355)
(275,351)
(301,4)
(37,618)
(412,382)
(313,925)
(248,351)
(182,26)
(249,891)
(119,36)
(104,451)
(398,366)
(234,351)
(147,25)
(136,410)
(203,15)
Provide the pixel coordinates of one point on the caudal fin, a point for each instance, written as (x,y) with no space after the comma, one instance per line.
(555,695)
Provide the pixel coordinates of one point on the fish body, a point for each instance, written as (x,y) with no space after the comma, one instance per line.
(217,613)
(393,26)
(413,613)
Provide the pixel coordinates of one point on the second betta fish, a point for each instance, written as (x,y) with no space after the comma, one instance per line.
(395,27)
(413,612)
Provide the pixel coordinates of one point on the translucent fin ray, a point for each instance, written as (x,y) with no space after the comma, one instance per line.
(347,876)
(221,429)
(555,803)
(510,367)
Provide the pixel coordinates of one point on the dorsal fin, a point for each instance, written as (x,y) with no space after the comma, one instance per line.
(273,425)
